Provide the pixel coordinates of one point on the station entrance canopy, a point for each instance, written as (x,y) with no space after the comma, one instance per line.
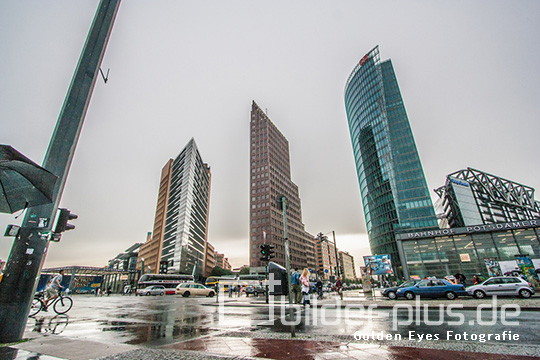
(85,270)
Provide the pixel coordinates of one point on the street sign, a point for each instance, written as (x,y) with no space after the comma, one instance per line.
(326,271)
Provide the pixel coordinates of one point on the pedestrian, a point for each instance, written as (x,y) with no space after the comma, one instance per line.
(319,287)
(109,290)
(304,280)
(338,288)
(296,286)
(230,290)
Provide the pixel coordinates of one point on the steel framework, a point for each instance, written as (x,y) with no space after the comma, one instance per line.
(491,189)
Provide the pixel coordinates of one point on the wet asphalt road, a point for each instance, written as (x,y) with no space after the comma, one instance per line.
(163,320)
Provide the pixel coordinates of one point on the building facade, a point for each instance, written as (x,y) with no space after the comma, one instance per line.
(127,261)
(270,176)
(223,262)
(394,191)
(325,256)
(473,197)
(209,259)
(465,250)
(179,239)
(346,262)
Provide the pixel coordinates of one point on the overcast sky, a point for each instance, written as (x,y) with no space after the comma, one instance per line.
(468,73)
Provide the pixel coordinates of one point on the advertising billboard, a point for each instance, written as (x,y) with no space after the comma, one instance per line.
(378,264)
(493,267)
(527,268)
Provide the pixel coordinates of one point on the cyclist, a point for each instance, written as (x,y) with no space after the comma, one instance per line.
(53,286)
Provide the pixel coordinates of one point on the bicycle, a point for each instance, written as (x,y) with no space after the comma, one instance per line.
(61,305)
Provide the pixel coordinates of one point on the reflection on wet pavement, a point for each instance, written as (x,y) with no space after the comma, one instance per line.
(314,350)
(7,353)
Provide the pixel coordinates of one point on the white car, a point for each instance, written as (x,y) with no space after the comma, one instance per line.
(188,289)
(502,285)
(152,290)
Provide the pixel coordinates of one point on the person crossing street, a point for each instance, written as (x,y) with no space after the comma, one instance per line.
(296,287)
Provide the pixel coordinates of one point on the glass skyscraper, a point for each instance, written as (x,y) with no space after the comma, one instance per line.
(180,232)
(394,191)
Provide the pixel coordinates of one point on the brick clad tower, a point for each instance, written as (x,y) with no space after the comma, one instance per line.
(270,176)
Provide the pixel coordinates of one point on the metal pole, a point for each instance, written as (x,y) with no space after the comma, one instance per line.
(27,255)
(266,294)
(284,205)
(337,258)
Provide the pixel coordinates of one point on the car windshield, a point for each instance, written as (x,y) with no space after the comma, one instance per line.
(408,283)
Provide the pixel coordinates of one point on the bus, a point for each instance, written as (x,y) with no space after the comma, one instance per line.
(213,280)
(169,281)
(256,277)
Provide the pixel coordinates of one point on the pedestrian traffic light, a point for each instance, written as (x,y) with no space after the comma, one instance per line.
(62,224)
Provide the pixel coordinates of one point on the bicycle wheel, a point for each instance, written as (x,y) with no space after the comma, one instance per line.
(62,305)
(36,307)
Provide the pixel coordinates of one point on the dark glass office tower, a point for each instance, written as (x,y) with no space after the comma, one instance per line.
(392,183)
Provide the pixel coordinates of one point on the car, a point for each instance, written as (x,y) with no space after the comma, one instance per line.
(432,288)
(188,289)
(255,290)
(391,291)
(502,285)
(152,290)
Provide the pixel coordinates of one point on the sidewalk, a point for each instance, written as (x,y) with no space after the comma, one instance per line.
(229,347)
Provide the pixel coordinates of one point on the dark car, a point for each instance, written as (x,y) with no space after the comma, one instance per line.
(433,288)
(391,291)
(255,290)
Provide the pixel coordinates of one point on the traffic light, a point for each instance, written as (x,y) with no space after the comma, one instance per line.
(267,252)
(271,254)
(62,224)
(264,252)
(163,266)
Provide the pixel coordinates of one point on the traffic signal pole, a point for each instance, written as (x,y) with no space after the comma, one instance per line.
(284,204)
(30,247)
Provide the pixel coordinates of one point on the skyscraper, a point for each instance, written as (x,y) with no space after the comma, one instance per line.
(180,232)
(270,176)
(392,183)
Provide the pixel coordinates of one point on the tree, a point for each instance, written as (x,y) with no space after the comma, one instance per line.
(217,271)
(244,271)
